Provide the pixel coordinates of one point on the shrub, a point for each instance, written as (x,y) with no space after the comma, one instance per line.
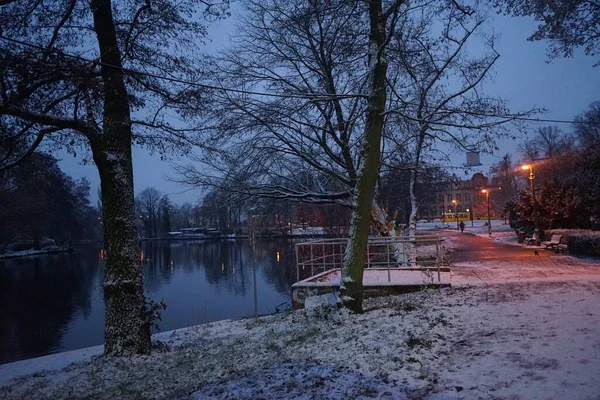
(585,245)
(583,242)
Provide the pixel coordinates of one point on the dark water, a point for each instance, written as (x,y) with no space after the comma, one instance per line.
(55,303)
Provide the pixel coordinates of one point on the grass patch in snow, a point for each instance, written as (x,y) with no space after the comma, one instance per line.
(413,341)
(408,307)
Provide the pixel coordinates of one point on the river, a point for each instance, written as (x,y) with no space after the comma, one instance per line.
(55,303)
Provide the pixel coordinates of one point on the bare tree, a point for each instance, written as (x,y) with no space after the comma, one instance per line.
(442,103)
(567,24)
(382,24)
(182,216)
(148,201)
(504,178)
(587,129)
(305,126)
(324,64)
(67,79)
(302,54)
(548,142)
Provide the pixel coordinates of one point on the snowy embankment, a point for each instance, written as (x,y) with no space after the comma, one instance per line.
(518,341)
(29,253)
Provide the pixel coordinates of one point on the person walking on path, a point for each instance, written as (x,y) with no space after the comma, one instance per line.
(462,226)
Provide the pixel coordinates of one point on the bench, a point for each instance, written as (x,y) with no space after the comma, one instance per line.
(530,241)
(554,243)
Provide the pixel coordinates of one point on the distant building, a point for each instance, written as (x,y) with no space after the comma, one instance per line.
(466,193)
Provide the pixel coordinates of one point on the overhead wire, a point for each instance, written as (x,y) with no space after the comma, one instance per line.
(307,96)
(316,96)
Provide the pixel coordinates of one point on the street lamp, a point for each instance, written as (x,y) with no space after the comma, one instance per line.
(487,197)
(456,213)
(536,229)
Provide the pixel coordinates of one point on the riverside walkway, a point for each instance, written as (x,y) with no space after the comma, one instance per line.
(477,260)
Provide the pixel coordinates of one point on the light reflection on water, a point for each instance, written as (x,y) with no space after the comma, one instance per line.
(55,303)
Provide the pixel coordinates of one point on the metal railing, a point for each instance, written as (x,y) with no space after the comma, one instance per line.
(317,256)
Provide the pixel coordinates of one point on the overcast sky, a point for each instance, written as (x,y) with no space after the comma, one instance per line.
(522,77)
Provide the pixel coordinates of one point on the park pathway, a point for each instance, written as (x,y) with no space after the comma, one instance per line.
(477,260)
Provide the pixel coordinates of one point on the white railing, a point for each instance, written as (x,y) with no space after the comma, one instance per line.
(317,256)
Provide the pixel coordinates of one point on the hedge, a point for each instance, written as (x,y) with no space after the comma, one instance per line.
(584,245)
(579,241)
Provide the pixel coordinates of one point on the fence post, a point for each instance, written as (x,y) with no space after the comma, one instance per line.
(312,261)
(333,254)
(437,256)
(387,248)
(297,264)
(368,255)
(324,257)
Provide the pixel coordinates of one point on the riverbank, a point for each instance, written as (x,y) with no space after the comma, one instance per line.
(518,340)
(31,253)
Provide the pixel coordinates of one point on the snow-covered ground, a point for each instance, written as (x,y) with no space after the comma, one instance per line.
(309,230)
(500,232)
(507,341)
(476,226)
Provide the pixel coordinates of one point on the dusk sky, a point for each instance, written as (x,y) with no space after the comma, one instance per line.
(522,77)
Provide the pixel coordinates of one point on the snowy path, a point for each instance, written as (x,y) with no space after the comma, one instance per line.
(479,260)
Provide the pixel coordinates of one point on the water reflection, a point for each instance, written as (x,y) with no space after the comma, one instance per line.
(40,296)
(55,303)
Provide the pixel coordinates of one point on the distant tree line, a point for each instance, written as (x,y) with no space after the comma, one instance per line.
(231,212)
(157,215)
(39,202)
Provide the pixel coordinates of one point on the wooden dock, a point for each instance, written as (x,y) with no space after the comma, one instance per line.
(376,282)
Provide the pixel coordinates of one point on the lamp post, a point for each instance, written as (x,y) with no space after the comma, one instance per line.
(536,229)
(456,213)
(487,197)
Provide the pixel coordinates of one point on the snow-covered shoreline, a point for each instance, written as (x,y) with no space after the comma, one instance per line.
(518,340)
(33,253)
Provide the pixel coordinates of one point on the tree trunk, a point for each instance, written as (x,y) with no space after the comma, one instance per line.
(351,286)
(127,328)
(412,191)
(412,221)
(388,229)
